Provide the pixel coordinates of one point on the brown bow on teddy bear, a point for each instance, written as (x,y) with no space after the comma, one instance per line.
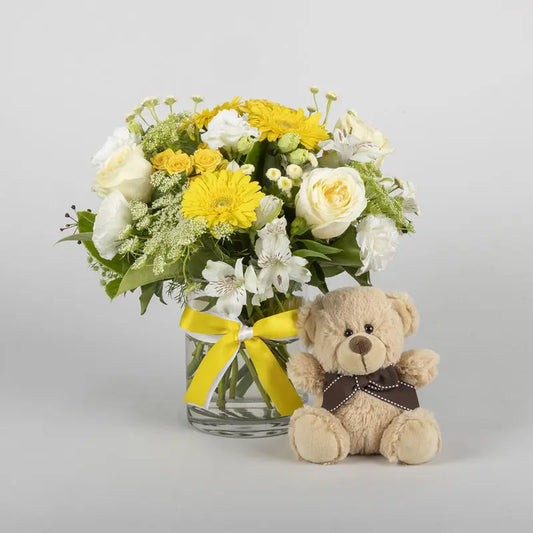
(366,401)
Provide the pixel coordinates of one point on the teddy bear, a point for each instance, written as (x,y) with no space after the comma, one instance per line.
(364,384)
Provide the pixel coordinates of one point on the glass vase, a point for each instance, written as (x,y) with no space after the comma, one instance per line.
(240,406)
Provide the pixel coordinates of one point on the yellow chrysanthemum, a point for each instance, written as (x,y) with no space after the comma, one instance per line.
(222,196)
(202,120)
(274,120)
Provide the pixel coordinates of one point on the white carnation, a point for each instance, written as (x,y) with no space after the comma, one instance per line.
(112,219)
(226,128)
(377,238)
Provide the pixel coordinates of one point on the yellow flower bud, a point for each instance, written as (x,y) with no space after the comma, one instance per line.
(314,89)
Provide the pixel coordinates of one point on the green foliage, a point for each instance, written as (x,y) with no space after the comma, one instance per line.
(143,276)
(380,202)
(148,291)
(77,237)
(118,264)
(169,133)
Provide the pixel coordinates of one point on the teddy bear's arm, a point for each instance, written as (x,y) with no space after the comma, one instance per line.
(305,372)
(418,367)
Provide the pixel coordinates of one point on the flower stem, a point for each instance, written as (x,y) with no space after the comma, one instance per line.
(234,378)
(255,377)
(221,392)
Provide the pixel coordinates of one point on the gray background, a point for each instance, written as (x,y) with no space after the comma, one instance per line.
(93,434)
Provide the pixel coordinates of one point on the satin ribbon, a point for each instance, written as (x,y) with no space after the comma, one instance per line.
(230,336)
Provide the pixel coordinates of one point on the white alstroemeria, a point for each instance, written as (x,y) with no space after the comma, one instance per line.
(229,286)
(408,193)
(344,144)
(269,208)
(377,238)
(226,129)
(274,228)
(233,166)
(277,265)
(113,217)
(373,145)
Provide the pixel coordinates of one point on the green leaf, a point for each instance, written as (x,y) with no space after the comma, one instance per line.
(362,279)
(112,287)
(197,262)
(332,270)
(299,226)
(147,292)
(256,155)
(318,279)
(303,252)
(77,237)
(319,247)
(350,255)
(145,275)
(85,225)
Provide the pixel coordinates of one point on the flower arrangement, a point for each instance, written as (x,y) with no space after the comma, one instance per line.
(241,205)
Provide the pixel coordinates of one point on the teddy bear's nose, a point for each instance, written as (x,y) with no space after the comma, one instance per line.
(360,345)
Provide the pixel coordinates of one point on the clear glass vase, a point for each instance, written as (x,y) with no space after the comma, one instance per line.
(240,406)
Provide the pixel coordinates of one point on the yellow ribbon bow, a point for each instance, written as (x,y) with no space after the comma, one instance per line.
(219,357)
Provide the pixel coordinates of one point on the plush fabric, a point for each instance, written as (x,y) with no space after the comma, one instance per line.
(364,424)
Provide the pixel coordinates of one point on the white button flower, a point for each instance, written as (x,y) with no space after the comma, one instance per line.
(377,238)
(226,128)
(113,217)
(229,286)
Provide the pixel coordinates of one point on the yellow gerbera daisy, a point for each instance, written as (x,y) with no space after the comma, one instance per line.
(274,120)
(223,196)
(202,120)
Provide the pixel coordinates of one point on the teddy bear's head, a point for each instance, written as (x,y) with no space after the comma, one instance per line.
(357,330)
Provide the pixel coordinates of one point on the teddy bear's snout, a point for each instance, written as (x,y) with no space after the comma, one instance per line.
(360,345)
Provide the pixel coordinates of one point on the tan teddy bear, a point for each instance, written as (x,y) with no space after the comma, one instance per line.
(366,401)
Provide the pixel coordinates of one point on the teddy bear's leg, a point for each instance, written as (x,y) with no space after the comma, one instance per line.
(413,437)
(318,436)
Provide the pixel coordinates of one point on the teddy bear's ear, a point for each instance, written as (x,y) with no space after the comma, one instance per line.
(307,320)
(405,307)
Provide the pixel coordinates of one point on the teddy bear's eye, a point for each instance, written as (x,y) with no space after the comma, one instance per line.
(348,332)
(369,328)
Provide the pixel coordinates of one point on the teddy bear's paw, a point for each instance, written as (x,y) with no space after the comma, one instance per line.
(318,436)
(413,437)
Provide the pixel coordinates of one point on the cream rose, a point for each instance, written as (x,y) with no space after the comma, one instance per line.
(124,169)
(330,200)
(373,145)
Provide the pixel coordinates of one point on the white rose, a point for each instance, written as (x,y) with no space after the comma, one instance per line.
(112,219)
(330,200)
(122,167)
(377,238)
(226,128)
(373,145)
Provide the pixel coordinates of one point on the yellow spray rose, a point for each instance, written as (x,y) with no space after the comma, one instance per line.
(206,160)
(160,160)
(179,162)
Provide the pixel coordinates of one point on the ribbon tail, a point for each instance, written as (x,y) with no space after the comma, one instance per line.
(208,375)
(273,378)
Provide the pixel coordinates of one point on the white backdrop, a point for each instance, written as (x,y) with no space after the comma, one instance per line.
(94,436)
